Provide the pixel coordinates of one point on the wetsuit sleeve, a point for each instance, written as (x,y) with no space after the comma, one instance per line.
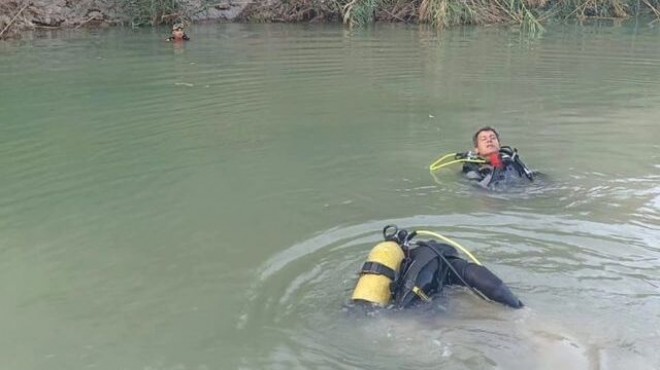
(482,279)
(471,171)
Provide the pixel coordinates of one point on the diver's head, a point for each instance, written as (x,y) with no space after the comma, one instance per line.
(177,31)
(486,141)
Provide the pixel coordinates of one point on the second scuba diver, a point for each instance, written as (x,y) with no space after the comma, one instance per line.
(178,33)
(400,274)
(502,164)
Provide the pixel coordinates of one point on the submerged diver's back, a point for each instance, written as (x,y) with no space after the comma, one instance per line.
(398,274)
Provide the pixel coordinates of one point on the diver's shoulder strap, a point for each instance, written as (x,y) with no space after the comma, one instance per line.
(515,158)
(508,150)
(439,248)
(407,286)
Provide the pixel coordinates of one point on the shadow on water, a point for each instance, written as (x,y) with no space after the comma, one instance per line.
(297,297)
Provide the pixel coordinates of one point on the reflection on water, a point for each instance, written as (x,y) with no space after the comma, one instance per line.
(208,206)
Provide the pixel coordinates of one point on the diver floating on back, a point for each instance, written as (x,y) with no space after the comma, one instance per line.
(489,164)
(399,273)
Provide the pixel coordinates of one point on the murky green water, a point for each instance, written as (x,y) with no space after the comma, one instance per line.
(207,205)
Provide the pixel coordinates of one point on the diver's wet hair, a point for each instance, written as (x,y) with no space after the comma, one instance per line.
(487,128)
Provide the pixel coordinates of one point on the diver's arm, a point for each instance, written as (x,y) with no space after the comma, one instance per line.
(472,171)
(482,279)
(479,173)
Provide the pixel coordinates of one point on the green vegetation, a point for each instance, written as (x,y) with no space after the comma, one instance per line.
(529,14)
(157,12)
(153,12)
(440,13)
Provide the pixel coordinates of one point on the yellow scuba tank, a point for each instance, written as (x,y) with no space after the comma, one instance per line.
(381,268)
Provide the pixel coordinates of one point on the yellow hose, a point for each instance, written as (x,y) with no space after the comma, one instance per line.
(450,242)
(438,164)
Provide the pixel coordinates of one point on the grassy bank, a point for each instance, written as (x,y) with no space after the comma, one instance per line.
(155,12)
(446,13)
(441,13)
(531,14)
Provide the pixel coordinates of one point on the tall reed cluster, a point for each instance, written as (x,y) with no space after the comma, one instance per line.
(530,14)
(157,12)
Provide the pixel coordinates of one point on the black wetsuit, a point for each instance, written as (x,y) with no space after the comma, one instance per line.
(431,265)
(513,171)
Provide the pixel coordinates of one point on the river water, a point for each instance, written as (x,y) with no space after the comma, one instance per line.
(207,205)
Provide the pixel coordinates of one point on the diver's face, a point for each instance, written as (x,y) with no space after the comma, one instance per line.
(487,143)
(177,33)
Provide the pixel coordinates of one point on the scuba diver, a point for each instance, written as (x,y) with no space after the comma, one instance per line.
(489,164)
(503,164)
(400,274)
(178,33)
